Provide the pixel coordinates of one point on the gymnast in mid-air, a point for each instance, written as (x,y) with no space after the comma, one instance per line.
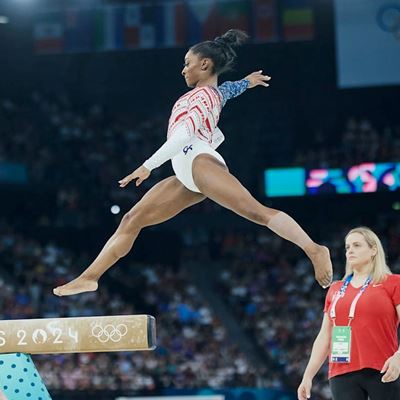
(200,171)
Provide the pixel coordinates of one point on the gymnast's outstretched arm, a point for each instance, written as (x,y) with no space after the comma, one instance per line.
(230,90)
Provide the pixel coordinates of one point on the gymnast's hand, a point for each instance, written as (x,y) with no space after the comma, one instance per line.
(257,78)
(140,174)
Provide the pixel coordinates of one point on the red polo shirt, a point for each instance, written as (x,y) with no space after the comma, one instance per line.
(374,327)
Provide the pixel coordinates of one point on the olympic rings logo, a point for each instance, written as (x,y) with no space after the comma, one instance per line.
(109,332)
(388,19)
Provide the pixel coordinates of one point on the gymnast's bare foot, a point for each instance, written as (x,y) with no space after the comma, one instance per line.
(321,260)
(78,285)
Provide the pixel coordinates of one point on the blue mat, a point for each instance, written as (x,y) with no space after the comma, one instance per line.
(19,378)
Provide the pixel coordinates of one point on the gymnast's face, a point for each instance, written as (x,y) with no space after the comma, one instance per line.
(358,251)
(195,68)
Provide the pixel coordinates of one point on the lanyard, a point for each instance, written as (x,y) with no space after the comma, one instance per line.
(354,303)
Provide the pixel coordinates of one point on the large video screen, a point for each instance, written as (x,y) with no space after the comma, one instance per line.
(367,42)
(362,178)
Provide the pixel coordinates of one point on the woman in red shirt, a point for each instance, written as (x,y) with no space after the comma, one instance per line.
(359,328)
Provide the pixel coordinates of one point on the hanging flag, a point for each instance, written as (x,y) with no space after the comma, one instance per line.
(148,36)
(210,18)
(140,30)
(48,33)
(265,21)
(132,25)
(198,12)
(232,14)
(79,30)
(298,20)
(172,18)
(109,28)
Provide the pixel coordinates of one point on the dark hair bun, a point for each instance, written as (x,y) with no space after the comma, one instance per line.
(221,49)
(233,38)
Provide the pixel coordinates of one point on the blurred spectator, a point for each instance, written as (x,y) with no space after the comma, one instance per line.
(78,154)
(360,142)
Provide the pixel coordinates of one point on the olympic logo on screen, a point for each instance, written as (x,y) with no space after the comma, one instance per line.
(109,332)
(388,19)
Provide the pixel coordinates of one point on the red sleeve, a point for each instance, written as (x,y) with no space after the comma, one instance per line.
(331,293)
(392,286)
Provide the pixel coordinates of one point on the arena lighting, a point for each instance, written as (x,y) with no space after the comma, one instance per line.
(115,209)
(396,206)
(4,19)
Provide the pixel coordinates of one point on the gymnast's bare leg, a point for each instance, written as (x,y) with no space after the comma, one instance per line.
(214,181)
(162,202)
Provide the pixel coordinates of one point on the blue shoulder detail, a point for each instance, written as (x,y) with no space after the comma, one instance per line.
(229,89)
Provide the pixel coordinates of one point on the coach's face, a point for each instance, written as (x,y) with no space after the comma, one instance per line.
(358,251)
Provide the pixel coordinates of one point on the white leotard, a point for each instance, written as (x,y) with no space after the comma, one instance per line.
(192,129)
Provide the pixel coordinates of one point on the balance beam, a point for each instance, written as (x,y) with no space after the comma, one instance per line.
(19,378)
(78,335)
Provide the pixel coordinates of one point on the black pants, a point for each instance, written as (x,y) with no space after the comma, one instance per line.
(364,384)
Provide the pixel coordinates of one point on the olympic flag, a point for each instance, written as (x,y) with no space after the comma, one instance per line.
(367,42)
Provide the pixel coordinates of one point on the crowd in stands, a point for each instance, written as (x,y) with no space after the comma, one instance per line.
(267,283)
(80,152)
(193,348)
(361,141)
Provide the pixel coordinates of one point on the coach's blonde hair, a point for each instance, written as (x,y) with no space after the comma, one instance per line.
(379,267)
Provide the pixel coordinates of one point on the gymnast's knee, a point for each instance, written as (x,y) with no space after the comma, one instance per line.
(132,222)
